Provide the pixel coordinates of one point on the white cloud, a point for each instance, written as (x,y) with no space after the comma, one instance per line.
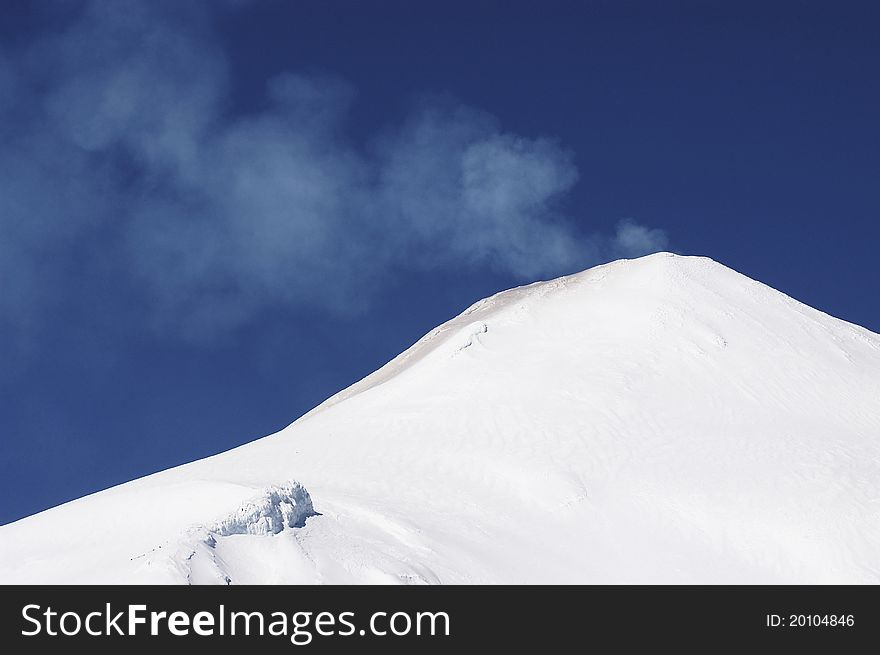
(217,217)
(634,240)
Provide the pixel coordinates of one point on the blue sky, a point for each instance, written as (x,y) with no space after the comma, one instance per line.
(213,216)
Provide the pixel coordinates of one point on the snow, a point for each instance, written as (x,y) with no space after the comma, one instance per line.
(203,556)
(285,506)
(663,419)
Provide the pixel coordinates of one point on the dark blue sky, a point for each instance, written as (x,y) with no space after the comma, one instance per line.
(212,217)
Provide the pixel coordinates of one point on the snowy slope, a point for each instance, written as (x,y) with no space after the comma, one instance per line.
(663,419)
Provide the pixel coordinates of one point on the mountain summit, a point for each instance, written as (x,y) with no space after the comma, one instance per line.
(663,419)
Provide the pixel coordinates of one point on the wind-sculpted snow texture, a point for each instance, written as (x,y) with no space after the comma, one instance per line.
(276,509)
(287,506)
(662,419)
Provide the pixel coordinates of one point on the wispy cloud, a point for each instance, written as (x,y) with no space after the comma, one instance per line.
(634,240)
(119,126)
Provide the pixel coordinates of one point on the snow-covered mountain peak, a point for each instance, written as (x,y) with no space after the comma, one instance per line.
(658,419)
